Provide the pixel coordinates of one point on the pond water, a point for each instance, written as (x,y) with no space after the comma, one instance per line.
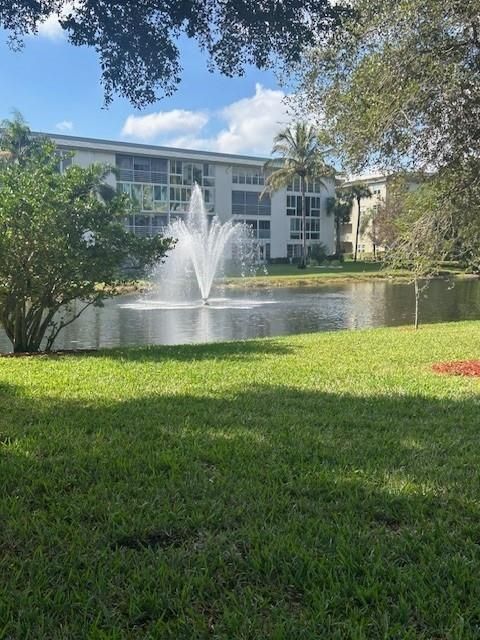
(239,314)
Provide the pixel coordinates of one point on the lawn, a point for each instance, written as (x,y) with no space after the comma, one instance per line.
(284,275)
(349,268)
(309,487)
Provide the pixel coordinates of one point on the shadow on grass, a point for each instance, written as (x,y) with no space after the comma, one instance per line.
(235,350)
(272,510)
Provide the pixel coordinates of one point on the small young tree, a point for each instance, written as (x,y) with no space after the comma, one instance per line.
(421,238)
(59,239)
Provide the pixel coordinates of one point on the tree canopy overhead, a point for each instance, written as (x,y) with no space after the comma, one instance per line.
(399,83)
(137,40)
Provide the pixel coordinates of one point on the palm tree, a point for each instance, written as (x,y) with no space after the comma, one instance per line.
(341,208)
(299,153)
(356,192)
(16,140)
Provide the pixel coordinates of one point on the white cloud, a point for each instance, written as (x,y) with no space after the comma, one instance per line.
(152,125)
(245,126)
(64,125)
(253,122)
(51,28)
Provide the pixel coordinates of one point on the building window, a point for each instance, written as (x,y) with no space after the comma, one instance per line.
(146,225)
(294,250)
(312,229)
(296,229)
(247,175)
(311,186)
(180,199)
(248,203)
(64,160)
(186,174)
(260,228)
(142,169)
(312,206)
(263,229)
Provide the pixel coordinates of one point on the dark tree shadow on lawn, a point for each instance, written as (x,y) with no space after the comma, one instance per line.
(235,350)
(272,509)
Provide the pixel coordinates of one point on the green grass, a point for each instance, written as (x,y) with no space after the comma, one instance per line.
(284,275)
(310,487)
(350,268)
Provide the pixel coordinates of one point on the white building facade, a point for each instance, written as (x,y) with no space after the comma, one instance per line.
(159,182)
(380,186)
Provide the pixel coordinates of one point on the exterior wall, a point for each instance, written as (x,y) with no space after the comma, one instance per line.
(87,151)
(85,158)
(378,187)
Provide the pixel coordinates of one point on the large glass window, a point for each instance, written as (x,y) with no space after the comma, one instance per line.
(248,175)
(296,229)
(147,197)
(263,229)
(249,203)
(186,174)
(260,228)
(312,206)
(312,228)
(311,186)
(142,169)
(294,250)
(137,196)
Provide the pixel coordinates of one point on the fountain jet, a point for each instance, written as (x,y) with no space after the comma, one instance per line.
(201,247)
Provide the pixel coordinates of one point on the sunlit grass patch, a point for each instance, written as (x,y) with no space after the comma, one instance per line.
(320,486)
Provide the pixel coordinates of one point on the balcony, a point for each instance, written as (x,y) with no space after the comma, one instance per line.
(133,175)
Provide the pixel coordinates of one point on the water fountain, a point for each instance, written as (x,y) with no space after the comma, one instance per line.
(199,253)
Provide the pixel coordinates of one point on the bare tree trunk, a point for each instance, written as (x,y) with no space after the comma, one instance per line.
(338,247)
(357,231)
(417,302)
(20,340)
(374,237)
(304,223)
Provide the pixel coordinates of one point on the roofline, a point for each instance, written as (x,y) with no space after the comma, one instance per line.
(114,145)
(384,177)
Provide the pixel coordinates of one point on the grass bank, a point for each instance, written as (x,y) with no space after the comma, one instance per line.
(317,486)
(280,275)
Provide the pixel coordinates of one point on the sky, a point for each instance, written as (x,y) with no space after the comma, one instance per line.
(57,88)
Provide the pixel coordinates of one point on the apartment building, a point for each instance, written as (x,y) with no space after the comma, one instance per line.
(377,185)
(159,181)
(380,186)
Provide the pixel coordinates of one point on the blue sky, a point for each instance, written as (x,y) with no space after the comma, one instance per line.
(57,88)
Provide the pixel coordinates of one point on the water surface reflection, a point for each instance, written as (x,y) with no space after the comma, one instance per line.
(251,314)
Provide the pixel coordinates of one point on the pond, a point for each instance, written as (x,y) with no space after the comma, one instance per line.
(240,314)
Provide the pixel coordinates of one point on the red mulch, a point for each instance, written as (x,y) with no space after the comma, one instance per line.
(460,368)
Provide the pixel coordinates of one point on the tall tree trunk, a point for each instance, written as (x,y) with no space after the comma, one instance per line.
(20,340)
(338,246)
(304,223)
(374,237)
(357,231)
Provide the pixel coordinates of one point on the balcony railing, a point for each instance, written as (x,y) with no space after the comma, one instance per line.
(134,175)
(147,230)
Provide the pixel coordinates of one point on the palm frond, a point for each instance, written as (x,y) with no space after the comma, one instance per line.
(297,151)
